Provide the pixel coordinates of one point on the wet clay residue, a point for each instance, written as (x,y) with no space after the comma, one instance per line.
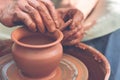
(95,67)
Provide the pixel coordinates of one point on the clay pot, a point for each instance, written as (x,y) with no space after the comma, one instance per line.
(37,55)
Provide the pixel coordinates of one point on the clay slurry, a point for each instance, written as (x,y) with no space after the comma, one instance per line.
(37,39)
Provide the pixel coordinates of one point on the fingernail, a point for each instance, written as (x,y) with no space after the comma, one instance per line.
(52,28)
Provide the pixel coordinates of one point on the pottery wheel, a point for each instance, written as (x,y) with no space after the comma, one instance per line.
(70,68)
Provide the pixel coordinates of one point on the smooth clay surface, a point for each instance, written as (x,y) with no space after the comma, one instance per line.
(37,55)
(37,39)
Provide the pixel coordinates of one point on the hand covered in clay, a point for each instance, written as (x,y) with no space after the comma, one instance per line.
(72,26)
(35,14)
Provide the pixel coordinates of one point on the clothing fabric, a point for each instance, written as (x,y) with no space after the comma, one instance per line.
(107,23)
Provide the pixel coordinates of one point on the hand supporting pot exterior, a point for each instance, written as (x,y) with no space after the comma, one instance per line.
(71,21)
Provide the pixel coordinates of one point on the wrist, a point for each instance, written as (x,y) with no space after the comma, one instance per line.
(85,6)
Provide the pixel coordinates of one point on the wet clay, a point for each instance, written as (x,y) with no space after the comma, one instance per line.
(37,39)
(96,63)
(37,55)
(42,61)
(70,68)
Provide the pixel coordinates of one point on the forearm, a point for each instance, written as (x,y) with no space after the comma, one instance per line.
(85,6)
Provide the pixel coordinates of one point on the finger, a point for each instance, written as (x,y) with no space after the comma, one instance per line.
(34,14)
(52,11)
(77,18)
(65,25)
(36,17)
(76,41)
(69,33)
(72,42)
(80,14)
(25,18)
(78,35)
(80,32)
(48,21)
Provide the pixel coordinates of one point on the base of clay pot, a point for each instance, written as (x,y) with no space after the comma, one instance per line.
(70,68)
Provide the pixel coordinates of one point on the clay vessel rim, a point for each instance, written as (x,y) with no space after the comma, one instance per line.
(58,40)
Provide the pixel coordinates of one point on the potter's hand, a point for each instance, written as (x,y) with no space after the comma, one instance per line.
(35,14)
(72,28)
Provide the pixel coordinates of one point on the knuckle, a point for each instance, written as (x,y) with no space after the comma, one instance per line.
(77,35)
(15,13)
(40,9)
